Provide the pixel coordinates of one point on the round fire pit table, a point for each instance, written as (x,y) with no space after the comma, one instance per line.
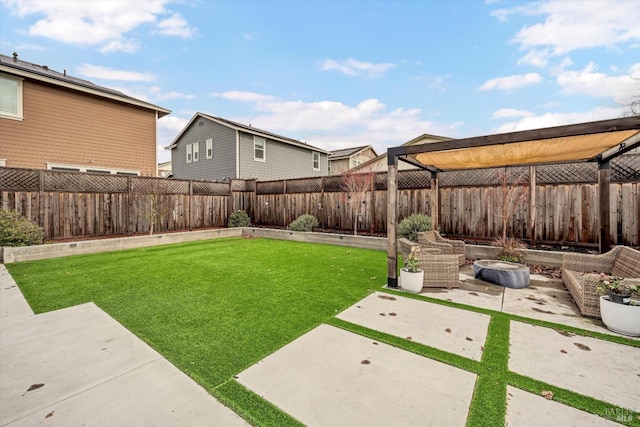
(508,274)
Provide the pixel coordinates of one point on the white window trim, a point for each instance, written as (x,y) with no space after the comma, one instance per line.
(209,148)
(84,168)
(189,153)
(264,149)
(313,160)
(20,114)
(196,151)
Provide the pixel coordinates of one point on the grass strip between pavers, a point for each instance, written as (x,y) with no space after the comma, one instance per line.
(489,403)
(592,405)
(253,408)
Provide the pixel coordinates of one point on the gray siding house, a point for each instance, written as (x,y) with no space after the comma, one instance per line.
(216,149)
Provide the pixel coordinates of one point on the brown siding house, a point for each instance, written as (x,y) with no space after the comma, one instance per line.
(63,123)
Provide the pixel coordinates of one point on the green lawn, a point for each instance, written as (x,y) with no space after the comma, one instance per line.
(214,308)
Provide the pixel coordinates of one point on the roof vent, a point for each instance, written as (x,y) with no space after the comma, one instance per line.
(46,67)
(65,73)
(15,57)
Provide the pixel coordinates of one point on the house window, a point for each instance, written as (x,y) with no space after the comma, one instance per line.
(60,167)
(355,163)
(259,148)
(10,97)
(189,153)
(196,149)
(210,148)
(316,161)
(329,165)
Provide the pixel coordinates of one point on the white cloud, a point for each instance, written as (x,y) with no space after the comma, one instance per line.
(157,94)
(249,36)
(570,24)
(352,67)
(510,112)
(106,73)
(559,119)
(176,25)
(433,82)
(236,95)
(511,82)
(332,124)
(122,45)
(537,58)
(97,23)
(592,83)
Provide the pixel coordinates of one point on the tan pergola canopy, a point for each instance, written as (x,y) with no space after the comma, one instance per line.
(550,150)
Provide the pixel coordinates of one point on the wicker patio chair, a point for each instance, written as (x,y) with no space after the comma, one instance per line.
(440,270)
(581,274)
(433,239)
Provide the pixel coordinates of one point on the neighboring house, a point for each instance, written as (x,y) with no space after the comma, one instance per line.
(50,120)
(379,164)
(164,169)
(341,161)
(217,149)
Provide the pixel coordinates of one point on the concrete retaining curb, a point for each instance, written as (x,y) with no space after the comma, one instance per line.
(55,250)
(31,253)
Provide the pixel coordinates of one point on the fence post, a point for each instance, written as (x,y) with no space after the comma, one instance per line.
(372,208)
(604,220)
(41,182)
(434,200)
(285,200)
(129,205)
(191,204)
(533,177)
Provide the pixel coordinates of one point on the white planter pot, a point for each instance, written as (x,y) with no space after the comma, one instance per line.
(620,318)
(411,282)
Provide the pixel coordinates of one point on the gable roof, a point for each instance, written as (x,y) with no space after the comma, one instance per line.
(244,128)
(414,141)
(345,153)
(44,74)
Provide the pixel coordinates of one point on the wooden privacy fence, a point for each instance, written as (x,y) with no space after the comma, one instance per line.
(564,202)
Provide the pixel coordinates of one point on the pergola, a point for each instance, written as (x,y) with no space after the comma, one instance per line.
(599,142)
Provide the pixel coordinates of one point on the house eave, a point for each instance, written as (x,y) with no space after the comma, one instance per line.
(81,88)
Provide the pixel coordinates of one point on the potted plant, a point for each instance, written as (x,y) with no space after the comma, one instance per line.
(619,304)
(411,276)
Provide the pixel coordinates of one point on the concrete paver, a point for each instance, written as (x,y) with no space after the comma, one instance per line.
(456,331)
(156,394)
(596,368)
(529,410)
(12,302)
(89,367)
(322,380)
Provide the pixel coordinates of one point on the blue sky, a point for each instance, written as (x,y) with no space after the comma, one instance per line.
(345,73)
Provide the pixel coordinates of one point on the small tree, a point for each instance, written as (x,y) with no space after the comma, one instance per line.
(355,186)
(512,192)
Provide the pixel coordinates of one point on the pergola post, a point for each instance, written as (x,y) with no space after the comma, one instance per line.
(434,201)
(604,214)
(392,217)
